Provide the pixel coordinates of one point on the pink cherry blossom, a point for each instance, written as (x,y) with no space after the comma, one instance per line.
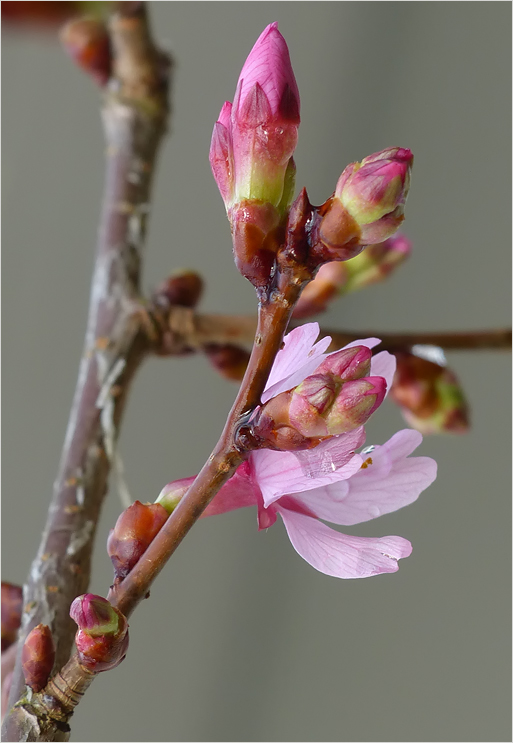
(331,482)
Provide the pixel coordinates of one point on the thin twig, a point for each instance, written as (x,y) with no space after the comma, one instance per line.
(135,115)
(190,331)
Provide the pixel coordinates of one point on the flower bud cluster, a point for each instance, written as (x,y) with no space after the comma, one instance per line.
(102,637)
(429,395)
(336,399)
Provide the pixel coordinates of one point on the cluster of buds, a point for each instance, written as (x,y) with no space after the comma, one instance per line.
(251,159)
(133,532)
(102,637)
(429,395)
(336,399)
(38,657)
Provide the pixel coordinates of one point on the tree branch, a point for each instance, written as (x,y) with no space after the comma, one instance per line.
(134,115)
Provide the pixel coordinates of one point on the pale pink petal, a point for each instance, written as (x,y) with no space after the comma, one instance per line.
(341,555)
(238,492)
(383,365)
(299,357)
(386,484)
(283,473)
(369,342)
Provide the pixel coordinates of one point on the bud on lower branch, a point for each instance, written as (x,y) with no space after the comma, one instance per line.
(134,531)
(37,657)
(102,637)
(429,395)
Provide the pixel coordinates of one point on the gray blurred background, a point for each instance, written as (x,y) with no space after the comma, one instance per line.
(242,639)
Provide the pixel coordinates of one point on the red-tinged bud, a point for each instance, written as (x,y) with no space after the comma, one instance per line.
(184,288)
(37,657)
(134,531)
(87,42)
(229,361)
(319,293)
(429,395)
(336,399)
(368,206)
(12,607)
(251,153)
(102,637)
(376,262)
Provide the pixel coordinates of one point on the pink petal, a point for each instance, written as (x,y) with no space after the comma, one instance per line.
(383,365)
(389,483)
(341,555)
(238,492)
(298,358)
(282,473)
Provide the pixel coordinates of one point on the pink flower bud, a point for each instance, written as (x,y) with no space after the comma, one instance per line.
(355,404)
(12,607)
(251,152)
(37,657)
(347,364)
(134,531)
(368,205)
(429,395)
(102,637)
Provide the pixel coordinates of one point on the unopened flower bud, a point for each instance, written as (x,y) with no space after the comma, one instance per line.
(37,657)
(338,398)
(429,395)
(251,153)
(172,493)
(134,531)
(327,285)
(87,42)
(229,361)
(102,637)
(12,607)
(376,262)
(184,288)
(368,206)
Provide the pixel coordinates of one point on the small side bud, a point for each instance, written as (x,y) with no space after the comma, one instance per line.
(376,262)
(172,493)
(429,395)
(329,282)
(134,531)
(12,607)
(102,637)
(87,42)
(338,398)
(368,205)
(229,361)
(184,288)
(37,657)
